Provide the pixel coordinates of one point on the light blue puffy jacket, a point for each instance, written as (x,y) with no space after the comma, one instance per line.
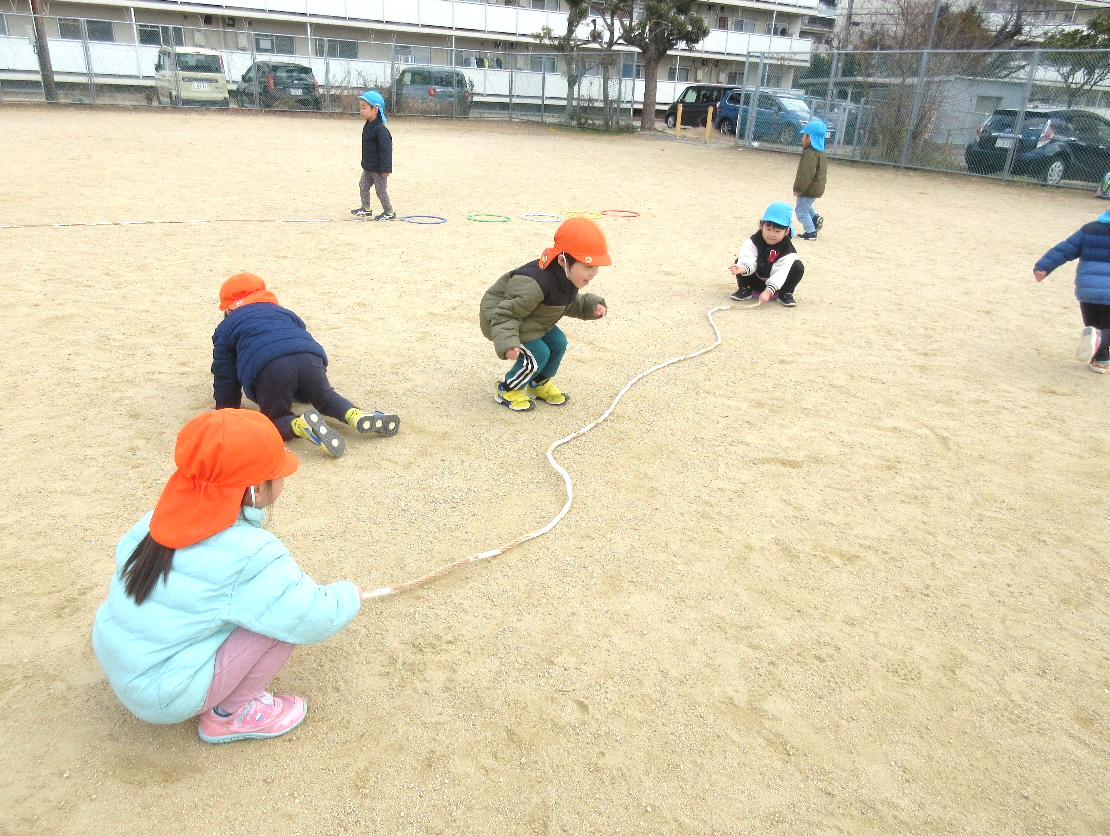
(160,656)
(1091,245)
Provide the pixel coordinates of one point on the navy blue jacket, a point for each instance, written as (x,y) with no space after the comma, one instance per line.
(248,339)
(377,147)
(1091,245)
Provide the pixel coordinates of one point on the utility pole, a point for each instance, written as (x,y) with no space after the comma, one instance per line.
(42,48)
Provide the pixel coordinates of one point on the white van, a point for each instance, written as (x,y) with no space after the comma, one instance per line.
(190,76)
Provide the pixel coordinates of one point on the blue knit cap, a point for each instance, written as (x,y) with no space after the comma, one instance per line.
(779,213)
(372,97)
(816,130)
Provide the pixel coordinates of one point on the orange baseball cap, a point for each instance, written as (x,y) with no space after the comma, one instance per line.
(581,238)
(242,289)
(219,454)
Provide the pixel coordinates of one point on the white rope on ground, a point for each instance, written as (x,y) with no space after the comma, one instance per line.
(524,538)
(191,221)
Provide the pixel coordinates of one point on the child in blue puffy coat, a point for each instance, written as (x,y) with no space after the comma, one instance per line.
(1091,245)
(265,350)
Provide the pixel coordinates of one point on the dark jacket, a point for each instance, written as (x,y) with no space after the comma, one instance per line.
(377,147)
(248,339)
(810,179)
(526,303)
(1091,245)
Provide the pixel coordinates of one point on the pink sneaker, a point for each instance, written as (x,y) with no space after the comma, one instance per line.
(265,716)
(1099,366)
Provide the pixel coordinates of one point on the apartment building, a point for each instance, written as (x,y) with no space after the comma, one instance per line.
(362,39)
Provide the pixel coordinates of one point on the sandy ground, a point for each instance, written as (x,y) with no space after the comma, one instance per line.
(845,574)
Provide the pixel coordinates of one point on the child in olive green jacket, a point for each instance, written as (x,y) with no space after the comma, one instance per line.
(809,183)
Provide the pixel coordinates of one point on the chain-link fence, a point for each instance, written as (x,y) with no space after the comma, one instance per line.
(97,61)
(1033,113)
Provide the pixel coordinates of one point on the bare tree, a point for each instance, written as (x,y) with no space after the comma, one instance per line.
(655,27)
(1086,69)
(42,49)
(570,45)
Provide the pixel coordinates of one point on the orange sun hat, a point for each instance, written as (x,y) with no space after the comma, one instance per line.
(243,289)
(581,238)
(219,454)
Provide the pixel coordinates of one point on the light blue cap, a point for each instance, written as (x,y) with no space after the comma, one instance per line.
(816,130)
(779,213)
(373,97)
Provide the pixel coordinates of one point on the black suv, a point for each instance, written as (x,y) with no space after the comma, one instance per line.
(696,100)
(1055,144)
(278,85)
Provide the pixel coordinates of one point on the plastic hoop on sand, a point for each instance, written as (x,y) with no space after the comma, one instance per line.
(541,217)
(620,213)
(486,218)
(576,213)
(424,219)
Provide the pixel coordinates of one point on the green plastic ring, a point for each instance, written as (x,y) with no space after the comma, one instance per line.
(485,218)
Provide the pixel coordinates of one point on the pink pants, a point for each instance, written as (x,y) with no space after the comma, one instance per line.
(245,664)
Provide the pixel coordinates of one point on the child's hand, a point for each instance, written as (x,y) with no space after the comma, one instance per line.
(797,194)
(734,269)
(766,295)
(1039,275)
(599,311)
(512,354)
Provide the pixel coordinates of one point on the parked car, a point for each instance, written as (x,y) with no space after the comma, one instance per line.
(433,90)
(1054,145)
(696,101)
(280,85)
(778,117)
(190,76)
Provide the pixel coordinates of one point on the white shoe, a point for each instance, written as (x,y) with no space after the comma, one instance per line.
(1089,342)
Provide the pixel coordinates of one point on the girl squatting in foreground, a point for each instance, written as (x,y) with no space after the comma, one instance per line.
(768,264)
(206,606)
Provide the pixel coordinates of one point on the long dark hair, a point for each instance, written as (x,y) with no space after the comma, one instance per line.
(149,562)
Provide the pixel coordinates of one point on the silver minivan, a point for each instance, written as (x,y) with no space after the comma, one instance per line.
(190,76)
(433,90)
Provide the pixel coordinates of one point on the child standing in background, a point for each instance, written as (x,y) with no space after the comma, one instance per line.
(377,157)
(1091,245)
(205,605)
(265,350)
(809,182)
(767,263)
(520,311)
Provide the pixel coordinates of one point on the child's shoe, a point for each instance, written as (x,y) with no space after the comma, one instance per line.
(742,294)
(386,216)
(1099,366)
(548,392)
(311,426)
(1089,342)
(265,716)
(818,221)
(786,300)
(515,399)
(373,422)
(362,212)
(808,236)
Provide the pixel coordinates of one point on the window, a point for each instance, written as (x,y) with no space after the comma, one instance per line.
(69,28)
(3,24)
(722,23)
(161,35)
(544,5)
(743,24)
(542,63)
(734,77)
(683,74)
(403,55)
(332,48)
(276,44)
